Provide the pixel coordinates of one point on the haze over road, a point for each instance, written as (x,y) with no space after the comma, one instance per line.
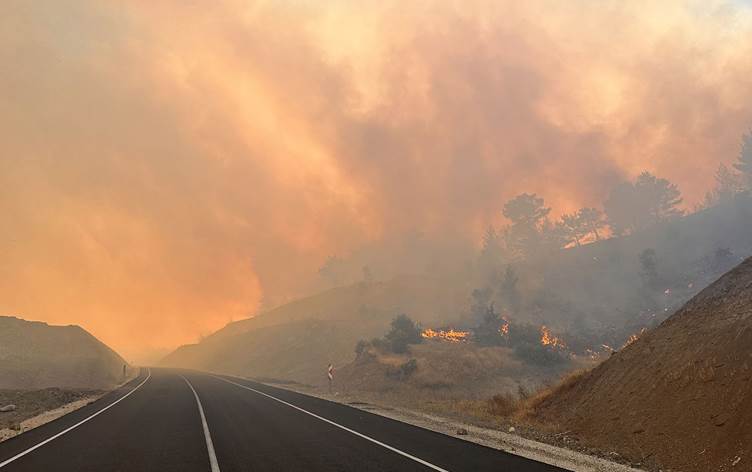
(170,420)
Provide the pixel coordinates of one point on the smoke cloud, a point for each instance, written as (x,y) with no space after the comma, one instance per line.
(167,165)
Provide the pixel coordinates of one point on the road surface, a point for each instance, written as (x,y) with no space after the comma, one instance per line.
(173,420)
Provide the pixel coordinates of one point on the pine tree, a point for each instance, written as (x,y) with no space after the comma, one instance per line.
(744,161)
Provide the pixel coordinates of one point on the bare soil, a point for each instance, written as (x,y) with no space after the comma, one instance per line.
(680,398)
(30,403)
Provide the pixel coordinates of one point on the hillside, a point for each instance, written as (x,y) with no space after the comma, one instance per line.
(680,397)
(436,371)
(35,355)
(296,341)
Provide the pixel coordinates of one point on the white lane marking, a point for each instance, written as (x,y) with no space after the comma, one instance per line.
(209,444)
(361,435)
(32,448)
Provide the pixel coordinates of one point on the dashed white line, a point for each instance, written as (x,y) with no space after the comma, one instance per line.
(361,435)
(51,438)
(209,444)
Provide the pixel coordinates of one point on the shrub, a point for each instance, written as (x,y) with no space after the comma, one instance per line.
(487,333)
(503,405)
(403,371)
(379,344)
(402,333)
(537,354)
(360,347)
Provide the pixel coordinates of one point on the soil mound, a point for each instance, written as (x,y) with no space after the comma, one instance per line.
(35,355)
(680,397)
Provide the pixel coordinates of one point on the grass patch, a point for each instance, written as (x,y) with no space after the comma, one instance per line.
(528,408)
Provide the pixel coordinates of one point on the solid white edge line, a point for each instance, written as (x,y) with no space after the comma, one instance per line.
(361,435)
(209,444)
(37,446)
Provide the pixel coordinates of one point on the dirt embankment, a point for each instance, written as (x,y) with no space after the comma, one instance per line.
(35,355)
(679,398)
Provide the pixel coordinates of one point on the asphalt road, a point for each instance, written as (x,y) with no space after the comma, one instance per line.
(171,420)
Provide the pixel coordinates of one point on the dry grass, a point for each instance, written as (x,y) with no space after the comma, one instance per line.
(522,407)
(527,409)
(504,405)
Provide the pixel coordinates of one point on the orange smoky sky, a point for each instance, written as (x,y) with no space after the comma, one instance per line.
(165,166)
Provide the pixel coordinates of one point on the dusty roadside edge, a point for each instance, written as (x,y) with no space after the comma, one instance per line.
(511,443)
(52,415)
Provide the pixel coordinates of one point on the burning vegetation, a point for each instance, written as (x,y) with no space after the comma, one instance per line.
(547,339)
(450,335)
(530,341)
(532,344)
(633,337)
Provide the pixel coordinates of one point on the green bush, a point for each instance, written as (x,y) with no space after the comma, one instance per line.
(402,333)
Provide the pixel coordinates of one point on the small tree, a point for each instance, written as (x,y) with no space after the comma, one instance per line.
(402,333)
(487,333)
(620,211)
(481,300)
(727,185)
(491,245)
(634,206)
(526,210)
(744,161)
(552,237)
(591,219)
(360,347)
(572,228)
(527,214)
(661,198)
(510,293)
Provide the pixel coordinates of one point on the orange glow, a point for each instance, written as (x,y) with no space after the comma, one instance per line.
(504,330)
(634,337)
(167,169)
(547,339)
(449,335)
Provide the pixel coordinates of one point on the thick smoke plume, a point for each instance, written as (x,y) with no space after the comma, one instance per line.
(167,165)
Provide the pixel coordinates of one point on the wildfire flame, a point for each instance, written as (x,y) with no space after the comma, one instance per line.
(548,339)
(451,335)
(504,329)
(634,338)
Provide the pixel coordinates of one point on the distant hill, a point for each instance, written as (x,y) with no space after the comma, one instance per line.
(35,355)
(296,341)
(598,294)
(681,395)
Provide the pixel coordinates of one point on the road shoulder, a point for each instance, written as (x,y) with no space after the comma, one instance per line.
(48,416)
(511,443)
